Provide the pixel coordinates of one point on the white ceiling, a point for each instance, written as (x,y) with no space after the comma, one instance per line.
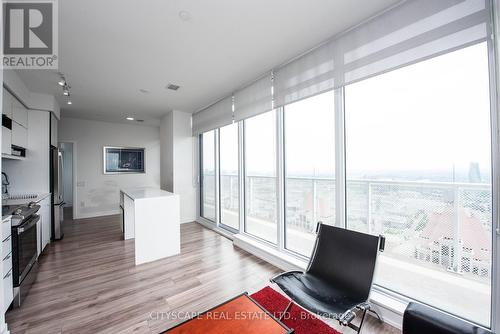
(110,49)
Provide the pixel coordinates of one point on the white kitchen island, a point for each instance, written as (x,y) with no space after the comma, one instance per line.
(151,216)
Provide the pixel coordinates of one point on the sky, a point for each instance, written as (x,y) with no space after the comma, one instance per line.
(431,116)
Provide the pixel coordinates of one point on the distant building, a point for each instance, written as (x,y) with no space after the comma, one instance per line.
(436,243)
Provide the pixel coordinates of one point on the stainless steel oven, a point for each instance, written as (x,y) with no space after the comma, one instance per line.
(25,248)
(24,259)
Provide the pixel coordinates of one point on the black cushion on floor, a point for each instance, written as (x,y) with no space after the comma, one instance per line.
(419,319)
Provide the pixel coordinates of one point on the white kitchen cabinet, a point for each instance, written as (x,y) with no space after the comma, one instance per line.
(19,113)
(7,103)
(19,135)
(45,219)
(8,292)
(6,140)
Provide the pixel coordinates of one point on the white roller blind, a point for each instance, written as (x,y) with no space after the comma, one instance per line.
(311,74)
(410,32)
(254,99)
(217,115)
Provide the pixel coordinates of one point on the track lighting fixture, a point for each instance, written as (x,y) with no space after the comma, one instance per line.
(65,86)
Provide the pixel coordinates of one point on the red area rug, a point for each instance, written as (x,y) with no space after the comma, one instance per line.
(297,318)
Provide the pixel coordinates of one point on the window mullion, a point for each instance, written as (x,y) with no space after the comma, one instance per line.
(241,175)
(217,177)
(494,78)
(340,175)
(280,192)
(200,174)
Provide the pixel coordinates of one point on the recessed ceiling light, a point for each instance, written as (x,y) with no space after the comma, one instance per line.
(130,118)
(69,102)
(173,87)
(185,15)
(144,91)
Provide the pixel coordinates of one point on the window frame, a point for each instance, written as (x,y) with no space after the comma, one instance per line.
(283,144)
(201,198)
(494,76)
(243,228)
(495,186)
(219,199)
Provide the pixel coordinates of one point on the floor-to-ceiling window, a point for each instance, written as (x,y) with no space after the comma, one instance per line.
(228,162)
(208,201)
(309,142)
(261,212)
(401,146)
(418,165)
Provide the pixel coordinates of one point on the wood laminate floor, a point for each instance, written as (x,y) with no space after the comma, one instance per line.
(88,282)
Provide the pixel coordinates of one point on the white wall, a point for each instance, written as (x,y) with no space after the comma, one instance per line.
(178,171)
(67,175)
(184,168)
(97,194)
(167,152)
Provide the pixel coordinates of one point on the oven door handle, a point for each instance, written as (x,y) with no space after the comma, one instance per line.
(28,225)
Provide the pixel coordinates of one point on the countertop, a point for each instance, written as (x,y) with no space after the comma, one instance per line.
(18,201)
(146,192)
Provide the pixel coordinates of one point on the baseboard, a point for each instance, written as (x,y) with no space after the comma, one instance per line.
(188,220)
(117,212)
(96,214)
(211,226)
(390,309)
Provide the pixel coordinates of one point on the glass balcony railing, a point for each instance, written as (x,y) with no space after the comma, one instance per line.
(438,234)
(444,224)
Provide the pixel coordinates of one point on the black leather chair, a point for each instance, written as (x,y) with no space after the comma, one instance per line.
(419,319)
(339,276)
